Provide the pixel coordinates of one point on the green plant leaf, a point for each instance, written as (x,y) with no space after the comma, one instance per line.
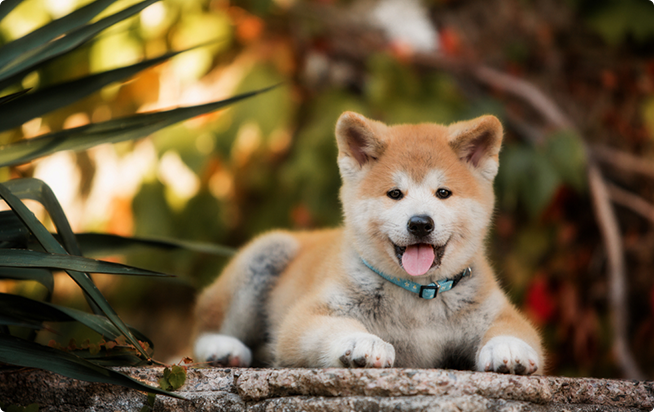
(566,152)
(615,21)
(21,309)
(150,405)
(113,357)
(42,276)
(13,232)
(7,6)
(177,377)
(51,245)
(43,101)
(9,320)
(528,177)
(29,310)
(23,258)
(112,131)
(32,407)
(9,97)
(164,384)
(20,352)
(515,161)
(103,244)
(31,59)
(44,34)
(35,189)
(539,184)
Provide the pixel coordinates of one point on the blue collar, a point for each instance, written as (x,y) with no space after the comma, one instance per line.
(429,291)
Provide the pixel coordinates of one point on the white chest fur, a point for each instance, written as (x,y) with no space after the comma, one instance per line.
(442,332)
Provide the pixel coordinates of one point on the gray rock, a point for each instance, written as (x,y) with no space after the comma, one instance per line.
(255,390)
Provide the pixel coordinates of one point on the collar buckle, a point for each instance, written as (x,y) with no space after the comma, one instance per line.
(432,291)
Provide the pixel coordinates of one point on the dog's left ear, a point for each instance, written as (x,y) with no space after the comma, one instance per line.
(477,142)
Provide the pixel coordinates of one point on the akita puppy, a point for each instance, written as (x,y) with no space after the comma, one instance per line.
(405,282)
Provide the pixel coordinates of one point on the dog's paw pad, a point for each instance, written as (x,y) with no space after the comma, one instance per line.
(367,351)
(222,350)
(507,354)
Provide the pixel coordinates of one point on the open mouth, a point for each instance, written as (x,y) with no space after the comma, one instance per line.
(418,258)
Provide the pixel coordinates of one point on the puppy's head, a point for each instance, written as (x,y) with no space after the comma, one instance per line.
(418,199)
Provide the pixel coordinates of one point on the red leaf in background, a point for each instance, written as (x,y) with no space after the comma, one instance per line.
(540,301)
(401,51)
(450,41)
(555,211)
(248,26)
(301,217)
(609,79)
(515,69)
(651,300)
(505,225)
(249,29)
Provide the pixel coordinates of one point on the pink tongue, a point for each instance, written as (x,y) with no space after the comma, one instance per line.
(417,259)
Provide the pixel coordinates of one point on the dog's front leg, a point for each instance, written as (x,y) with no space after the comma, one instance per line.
(511,345)
(323,341)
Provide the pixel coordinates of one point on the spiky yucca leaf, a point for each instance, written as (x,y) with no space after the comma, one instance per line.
(28,354)
(50,31)
(112,131)
(51,245)
(34,58)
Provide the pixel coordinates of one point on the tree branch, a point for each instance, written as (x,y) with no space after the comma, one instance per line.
(631,201)
(623,160)
(610,230)
(527,92)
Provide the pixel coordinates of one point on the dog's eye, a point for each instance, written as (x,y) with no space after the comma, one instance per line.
(443,193)
(395,194)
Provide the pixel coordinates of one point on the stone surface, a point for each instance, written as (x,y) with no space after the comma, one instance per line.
(255,390)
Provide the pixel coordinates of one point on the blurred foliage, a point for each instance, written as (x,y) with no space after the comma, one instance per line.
(620,21)
(17,408)
(269,162)
(29,253)
(531,175)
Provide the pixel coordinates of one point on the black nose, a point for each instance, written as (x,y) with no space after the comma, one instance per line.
(420,225)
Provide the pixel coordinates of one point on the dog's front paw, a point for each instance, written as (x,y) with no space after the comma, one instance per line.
(507,354)
(222,350)
(365,351)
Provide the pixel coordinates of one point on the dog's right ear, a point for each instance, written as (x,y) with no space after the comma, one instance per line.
(358,140)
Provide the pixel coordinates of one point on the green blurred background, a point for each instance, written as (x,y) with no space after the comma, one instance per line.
(269,162)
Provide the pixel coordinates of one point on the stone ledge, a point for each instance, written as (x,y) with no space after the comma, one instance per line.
(333,390)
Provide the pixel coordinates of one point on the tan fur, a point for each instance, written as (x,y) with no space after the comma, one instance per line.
(319,306)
